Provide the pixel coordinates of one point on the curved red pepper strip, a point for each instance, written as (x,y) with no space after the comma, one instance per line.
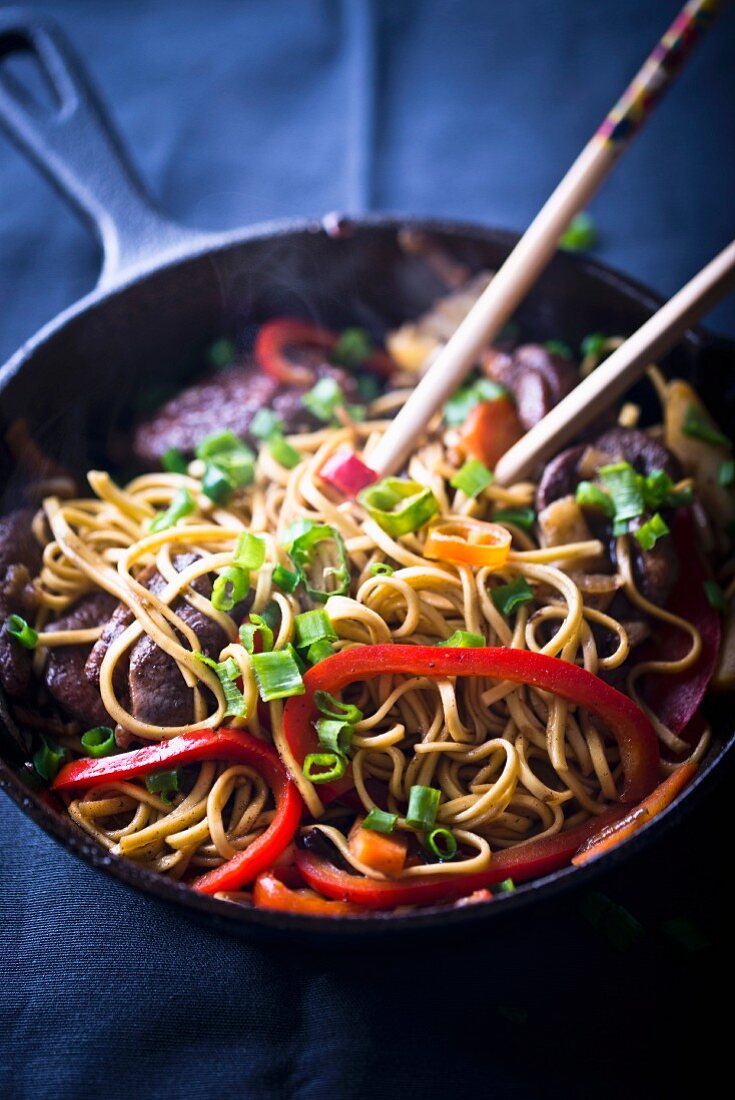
(276,336)
(676,699)
(527,861)
(277,889)
(188,748)
(632,730)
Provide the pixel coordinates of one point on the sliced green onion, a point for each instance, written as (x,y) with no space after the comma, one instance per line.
(380,569)
(650,532)
(249,631)
(310,551)
(620,527)
(285,579)
(658,491)
(624,486)
(272,615)
(230,455)
(332,707)
(593,344)
(520,517)
(423,803)
(727,473)
(48,759)
(230,587)
(697,425)
(380,821)
(216,485)
(221,353)
(715,595)
(265,423)
(462,402)
(312,626)
(164,783)
(249,551)
(99,741)
(318,651)
(181,505)
(19,629)
(614,922)
(442,843)
(284,454)
(335,736)
(174,462)
(472,478)
(216,444)
(296,528)
(399,505)
(508,597)
(277,674)
(580,235)
(464,639)
(558,347)
(324,767)
(507,886)
(227,673)
(353,348)
(358,413)
(324,399)
(592,496)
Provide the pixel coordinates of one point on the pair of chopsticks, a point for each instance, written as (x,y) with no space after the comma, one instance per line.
(531,255)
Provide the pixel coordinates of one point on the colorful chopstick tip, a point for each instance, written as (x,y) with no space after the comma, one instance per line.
(345,471)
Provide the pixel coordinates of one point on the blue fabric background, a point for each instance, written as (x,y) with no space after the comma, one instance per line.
(240,111)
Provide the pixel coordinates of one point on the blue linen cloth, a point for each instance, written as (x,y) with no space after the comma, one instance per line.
(237,112)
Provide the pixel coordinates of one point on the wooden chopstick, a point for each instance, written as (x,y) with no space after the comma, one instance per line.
(610,380)
(538,244)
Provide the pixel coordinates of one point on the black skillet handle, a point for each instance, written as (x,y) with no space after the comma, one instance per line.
(74,144)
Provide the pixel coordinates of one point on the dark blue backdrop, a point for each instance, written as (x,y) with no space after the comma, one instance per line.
(243,111)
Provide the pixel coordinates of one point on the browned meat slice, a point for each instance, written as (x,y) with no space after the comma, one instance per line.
(637,448)
(20,561)
(560,477)
(536,377)
(64,673)
(120,620)
(228,401)
(655,571)
(18,544)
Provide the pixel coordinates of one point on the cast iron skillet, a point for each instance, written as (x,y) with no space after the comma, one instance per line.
(164,294)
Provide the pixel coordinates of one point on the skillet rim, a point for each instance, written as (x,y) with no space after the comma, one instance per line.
(255,923)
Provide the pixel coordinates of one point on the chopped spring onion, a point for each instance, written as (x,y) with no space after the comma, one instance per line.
(463,401)
(99,741)
(335,736)
(659,492)
(174,462)
(620,527)
(227,673)
(381,569)
(164,783)
(221,353)
(317,651)
(272,615)
(593,344)
(358,413)
(519,517)
(399,505)
(48,759)
(423,803)
(310,551)
(19,629)
(278,674)
(650,532)
(284,454)
(464,639)
(313,626)
(614,922)
(296,528)
(380,821)
(216,444)
(623,485)
(558,347)
(324,399)
(353,347)
(285,579)
(250,630)
(507,886)
(442,843)
(508,597)
(324,767)
(592,496)
(181,505)
(249,551)
(726,476)
(230,587)
(332,707)
(265,423)
(216,485)
(230,455)
(580,235)
(368,387)
(472,478)
(698,425)
(715,595)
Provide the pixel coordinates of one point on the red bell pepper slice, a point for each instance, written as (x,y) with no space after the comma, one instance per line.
(277,336)
(676,699)
(527,861)
(188,748)
(631,728)
(277,888)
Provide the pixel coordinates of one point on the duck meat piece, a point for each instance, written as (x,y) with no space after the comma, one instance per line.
(228,402)
(64,673)
(536,377)
(20,561)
